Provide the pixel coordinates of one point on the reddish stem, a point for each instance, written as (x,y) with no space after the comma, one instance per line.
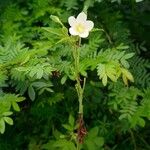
(81,129)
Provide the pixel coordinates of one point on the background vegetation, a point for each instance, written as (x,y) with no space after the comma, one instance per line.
(38,101)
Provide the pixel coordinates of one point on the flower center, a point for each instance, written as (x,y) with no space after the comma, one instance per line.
(80,28)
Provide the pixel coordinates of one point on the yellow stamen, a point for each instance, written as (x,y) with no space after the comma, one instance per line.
(80,28)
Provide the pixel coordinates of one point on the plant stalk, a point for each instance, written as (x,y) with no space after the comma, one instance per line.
(80,89)
(78,86)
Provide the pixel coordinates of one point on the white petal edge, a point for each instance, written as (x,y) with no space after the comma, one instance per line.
(82,17)
(72,31)
(71,20)
(89,25)
(84,35)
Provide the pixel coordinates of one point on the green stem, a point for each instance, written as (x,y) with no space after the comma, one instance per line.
(79,88)
(80,105)
(133,139)
(78,146)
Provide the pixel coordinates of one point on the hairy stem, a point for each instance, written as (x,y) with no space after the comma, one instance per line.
(80,89)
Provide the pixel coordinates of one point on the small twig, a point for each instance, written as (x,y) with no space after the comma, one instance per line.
(133,139)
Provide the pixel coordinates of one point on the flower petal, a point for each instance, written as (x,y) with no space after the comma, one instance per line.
(82,17)
(72,31)
(71,20)
(84,34)
(89,25)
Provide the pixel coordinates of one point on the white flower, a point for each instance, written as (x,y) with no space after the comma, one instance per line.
(80,26)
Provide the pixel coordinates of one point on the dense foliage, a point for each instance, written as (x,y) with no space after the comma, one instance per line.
(38,95)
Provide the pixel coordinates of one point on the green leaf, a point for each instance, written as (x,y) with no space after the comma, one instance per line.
(71,120)
(110,69)
(33,72)
(104,80)
(20,99)
(99,141)
(138,1)
(93,132)
(2,125)
(68,127)
(31,93)
(41,84)
(64,144)
(122,46)
(15,106)
(49,145)
(7,113)
(141,122)
(56,19)
(39,73)
(8,120)
(90,145)
(55,31)
(26,59)
(49,90)
(123,116)
(129,55)
(124,63)
(126,75)
(93,141)
(63,79)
